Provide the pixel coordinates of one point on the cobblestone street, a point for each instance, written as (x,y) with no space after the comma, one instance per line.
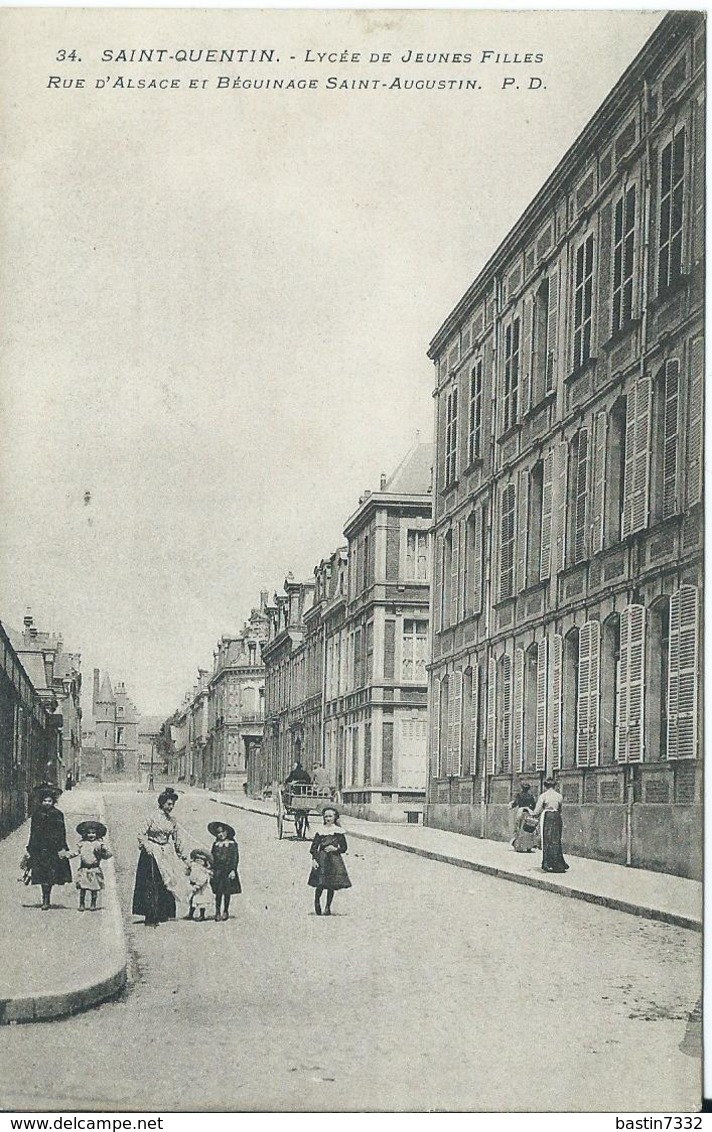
(431,987)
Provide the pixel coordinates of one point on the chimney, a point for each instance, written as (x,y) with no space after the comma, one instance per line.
(383,481)
(95,696)
(264,600)
(27,620)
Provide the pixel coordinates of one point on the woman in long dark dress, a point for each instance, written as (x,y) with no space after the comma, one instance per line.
(328,870)
(226,856)
(549,806)
(162,864)
(47,849)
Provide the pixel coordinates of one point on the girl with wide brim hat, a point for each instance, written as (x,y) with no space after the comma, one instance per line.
(46,790)
(91,826)
(214,826)
(47,849)
(202,855)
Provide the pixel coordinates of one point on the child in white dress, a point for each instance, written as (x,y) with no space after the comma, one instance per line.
(199,877)
(91,851)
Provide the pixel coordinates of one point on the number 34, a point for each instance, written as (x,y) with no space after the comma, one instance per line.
(67,57)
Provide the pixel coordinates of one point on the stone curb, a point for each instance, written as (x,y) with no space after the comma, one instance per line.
(73,999)
(543,883)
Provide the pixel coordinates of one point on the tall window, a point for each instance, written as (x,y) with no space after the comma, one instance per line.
(671,210)
(583,303)
(578,480)
(474,433)
(506,544)
(623,257)
(535,524)
(666,425)
(415,641)
(416,558)
(451,437)
(511,374)
(540,342)
(615,473)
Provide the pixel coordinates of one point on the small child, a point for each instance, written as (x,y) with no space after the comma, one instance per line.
(91,851)
(201,871)
(226,856)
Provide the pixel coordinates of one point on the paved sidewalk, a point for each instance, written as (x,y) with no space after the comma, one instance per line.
(655,896)
(57,962)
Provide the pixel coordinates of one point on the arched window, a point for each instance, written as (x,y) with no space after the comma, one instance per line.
(578,496)
(610,665)
(504,714)
(443,731)
(656,679)
(531,658)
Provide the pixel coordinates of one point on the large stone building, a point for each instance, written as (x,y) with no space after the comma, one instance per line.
(110,750)
(56,677)
(346,657)
(568,494)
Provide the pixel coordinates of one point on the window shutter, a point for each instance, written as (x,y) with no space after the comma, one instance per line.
(683,674)
(695,419)
(434,715)
(598,509)
(552,335)
(523,532)
(641,456)
(604,273)
(491,715)
(506,714)
(583,695)
(547,514)
(594,692)
(526,357)
(474,718)
(560,498)
(455,573)
(557,653)
(698,191)
(671,392)
(442,441)
(450,726)
(518,738)
(627,517)
(476,597)
(580,473)
(506,542)
(631,685)
(457,722)
(542,674)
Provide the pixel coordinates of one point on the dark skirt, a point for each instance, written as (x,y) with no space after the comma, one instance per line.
(552,860)
(329,871)
(222,885)
(151,898)
(47,867)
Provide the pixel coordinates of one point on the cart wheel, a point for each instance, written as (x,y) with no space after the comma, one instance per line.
(280,825)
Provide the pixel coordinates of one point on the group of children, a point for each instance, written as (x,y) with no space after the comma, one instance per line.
(213,875)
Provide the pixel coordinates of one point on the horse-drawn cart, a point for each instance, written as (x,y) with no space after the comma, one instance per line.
(297,802)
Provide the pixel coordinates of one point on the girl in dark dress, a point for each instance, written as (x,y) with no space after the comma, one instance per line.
(226,855)
(328,870)
(47,849)
(549,807)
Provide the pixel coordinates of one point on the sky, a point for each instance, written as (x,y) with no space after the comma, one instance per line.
(217,303)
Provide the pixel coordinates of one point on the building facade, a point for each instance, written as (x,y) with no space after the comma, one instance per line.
(236,705)
(110,744)
(30,738)
(56,677)
(568,494)
(151,757)
(345,679)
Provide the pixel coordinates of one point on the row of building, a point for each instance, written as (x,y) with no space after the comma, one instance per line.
(559,517)
(40,717)
(216,734)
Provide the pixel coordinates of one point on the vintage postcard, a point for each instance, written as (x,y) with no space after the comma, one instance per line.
(352,382)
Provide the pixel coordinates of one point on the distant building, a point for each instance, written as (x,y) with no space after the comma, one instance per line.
(151,760)
(236,702)
(111,742)
(56,676)
(346,679)
(568,510)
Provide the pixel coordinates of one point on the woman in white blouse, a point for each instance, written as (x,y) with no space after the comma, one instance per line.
(162,864)
(549,806)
